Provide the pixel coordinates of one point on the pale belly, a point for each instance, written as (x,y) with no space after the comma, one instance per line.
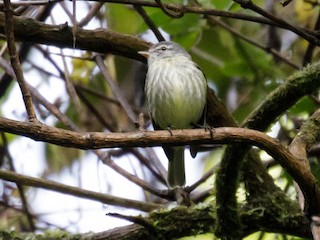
(178,112)
(177,100)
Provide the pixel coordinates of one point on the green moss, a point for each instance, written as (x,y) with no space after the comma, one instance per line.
(183,221)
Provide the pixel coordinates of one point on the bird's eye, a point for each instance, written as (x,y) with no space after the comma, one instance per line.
(163,48)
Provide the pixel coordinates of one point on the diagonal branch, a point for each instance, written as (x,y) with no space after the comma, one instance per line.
(74,191)
(15,62)
(300,32)
(308,135)
(116,90)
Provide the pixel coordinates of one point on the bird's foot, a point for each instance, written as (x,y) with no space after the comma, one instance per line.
(141,123)
(169,129)
(206,127)
(182,197)
(210,129)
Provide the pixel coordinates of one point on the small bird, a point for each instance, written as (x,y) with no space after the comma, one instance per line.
(176,94)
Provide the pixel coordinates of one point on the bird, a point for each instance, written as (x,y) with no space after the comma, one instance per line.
(175,90)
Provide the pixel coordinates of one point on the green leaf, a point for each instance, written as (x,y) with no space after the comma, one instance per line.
(58,157)
(304,106)
(185,31)
(124,19)
(223,4)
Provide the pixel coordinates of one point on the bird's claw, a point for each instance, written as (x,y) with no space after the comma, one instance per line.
(210,129)
(169,129)
(182,196)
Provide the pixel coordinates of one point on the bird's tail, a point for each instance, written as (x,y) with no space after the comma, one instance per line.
(176,172)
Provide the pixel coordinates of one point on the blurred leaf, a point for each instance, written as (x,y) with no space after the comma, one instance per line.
(248,101)
(82,69)
(185,31)
(9,137)
(270,236)
(58,157)
(315,167)
(304,106)
(223,4)
(306,13)
(207,236)
(124,19)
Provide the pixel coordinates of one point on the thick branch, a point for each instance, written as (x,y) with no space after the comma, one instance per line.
(95,140)
(294,88)
(309,135)
(102,41)
(289,93)
(98,140)
(198,220)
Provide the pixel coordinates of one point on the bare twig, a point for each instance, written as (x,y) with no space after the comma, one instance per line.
(163,194)
(177,13)
(30,3)
(204,178)
(94,10)
(305,33)
(149,22)
(25,205)
(108,123)
(116,91)
(74,191)
(280,22)
(272,51)
(148,163)
(15,62)
(309,53)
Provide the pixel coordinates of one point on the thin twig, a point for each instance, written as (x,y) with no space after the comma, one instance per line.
(248,4)
(309,53)
(140,221)
(272,51)
(15,62)
(94,10)
(108,161)
(149,22)
(213,12)
(75,191)
(53,109)
(116,90)
(31,3)
(25,205)
(145,161)
(108,123)
(177,13)
(204,178)
(70,87)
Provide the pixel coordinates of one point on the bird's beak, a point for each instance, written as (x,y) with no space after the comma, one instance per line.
(146,54)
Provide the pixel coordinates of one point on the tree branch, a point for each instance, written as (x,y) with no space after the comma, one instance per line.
(102,41)
(308,135)
(294,88)
(96,140)
(15,62)
(300,84)
(248,4)
(74,191)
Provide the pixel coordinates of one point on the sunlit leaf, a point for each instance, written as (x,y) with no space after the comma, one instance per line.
(124,19)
